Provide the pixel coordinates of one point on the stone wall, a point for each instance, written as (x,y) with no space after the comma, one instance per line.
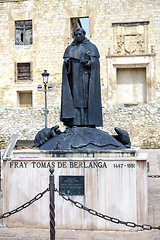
(133,42)
(127,34)
(141,121)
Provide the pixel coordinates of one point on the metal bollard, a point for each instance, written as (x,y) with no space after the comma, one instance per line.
(52,205)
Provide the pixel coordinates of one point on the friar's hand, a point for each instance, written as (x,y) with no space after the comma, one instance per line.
(66,61)
(87,63)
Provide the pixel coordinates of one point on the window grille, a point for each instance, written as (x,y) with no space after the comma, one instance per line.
(23,32)
(23,71)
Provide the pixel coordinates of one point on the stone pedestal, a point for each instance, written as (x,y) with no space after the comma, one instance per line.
(115,184)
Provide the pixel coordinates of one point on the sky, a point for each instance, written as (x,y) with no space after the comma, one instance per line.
(85,25)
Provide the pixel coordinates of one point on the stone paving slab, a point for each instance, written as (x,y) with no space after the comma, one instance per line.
(43,234)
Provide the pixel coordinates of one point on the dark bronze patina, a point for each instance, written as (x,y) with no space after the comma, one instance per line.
(81,109)
(81,94)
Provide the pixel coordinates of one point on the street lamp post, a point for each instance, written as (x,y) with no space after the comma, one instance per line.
(45,76)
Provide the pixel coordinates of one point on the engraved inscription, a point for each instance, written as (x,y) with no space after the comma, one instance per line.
(121,165)
(71,185)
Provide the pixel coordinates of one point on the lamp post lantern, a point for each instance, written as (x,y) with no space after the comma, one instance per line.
(45,76)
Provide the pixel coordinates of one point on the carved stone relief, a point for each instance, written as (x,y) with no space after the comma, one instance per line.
(130,39)
(130,44)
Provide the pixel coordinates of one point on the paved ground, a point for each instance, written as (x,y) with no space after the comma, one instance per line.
(43,234)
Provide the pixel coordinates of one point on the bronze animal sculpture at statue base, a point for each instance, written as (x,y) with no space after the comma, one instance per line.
(81,138)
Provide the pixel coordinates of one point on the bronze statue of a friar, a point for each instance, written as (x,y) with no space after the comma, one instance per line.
(81,110)
(81,93)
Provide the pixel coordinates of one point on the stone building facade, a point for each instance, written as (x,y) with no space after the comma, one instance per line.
(33,37)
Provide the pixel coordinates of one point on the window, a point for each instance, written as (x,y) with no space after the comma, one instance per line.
(131,85)
(25,99)
(23,71)
(80,22)
(23,32)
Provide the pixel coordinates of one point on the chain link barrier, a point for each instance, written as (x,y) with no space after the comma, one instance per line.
(154,176)
(105,217)
(25,205)
(80,206)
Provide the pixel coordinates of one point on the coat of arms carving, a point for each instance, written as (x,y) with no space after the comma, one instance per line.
(130,44)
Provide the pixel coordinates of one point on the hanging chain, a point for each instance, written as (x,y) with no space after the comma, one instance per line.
(154,176)
(81,206)
(25,205)
(105,217)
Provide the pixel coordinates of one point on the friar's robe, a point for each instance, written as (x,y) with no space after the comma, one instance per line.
(81,92)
